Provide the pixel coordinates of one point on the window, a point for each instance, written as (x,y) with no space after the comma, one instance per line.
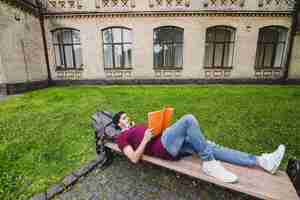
(271,47)
(117,47)
(67,48)
(219,47)
(168,47)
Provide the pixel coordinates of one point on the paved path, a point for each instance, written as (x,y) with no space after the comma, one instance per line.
(123,180)
(3,97)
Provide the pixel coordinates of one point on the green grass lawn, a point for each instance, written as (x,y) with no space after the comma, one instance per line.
(46,134)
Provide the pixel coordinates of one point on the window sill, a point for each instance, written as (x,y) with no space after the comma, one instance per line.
(60,69)
(168,68)
(118,69)
(225,68)
(268,68)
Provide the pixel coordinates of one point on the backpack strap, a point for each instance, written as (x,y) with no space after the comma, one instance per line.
(108,124)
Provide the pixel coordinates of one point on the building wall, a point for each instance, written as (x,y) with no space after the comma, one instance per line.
(22,58)
(247,28)
(2,75)
(294,72)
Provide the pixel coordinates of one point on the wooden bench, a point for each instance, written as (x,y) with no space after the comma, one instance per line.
(254,182)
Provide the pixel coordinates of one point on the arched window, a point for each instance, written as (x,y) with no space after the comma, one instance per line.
(117,47)
(67,48)
(168,47)
(219,47)
(271,47)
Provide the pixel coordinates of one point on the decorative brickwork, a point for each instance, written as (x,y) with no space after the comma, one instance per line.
(124,2)
(66,4)
(71,3)
(217,73)
(275,4)
(69,74)
(105,3)
(224,4)
(118,73)
(115,3)
(53,3)
(62,4)
(268,73)
(219,5)
(168,3)
(163,73)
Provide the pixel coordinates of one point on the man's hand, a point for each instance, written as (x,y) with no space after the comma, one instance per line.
(148,135)
(132,124)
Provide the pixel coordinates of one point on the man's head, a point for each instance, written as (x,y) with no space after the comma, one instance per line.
(121,120)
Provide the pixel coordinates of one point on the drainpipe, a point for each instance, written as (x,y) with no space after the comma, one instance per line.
(41,17)
(292,38)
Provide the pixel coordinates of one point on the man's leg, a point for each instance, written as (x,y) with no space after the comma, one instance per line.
(186,129)
(185,136)
(233,156)
(194,142)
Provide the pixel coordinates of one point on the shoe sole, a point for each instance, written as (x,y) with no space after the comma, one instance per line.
(235,181)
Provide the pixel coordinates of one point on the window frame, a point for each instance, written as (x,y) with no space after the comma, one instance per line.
(122,43)
(62,45)
(170,67)
(214,42)
(263,44)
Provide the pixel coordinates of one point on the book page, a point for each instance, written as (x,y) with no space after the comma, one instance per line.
(168,114)
(155,120)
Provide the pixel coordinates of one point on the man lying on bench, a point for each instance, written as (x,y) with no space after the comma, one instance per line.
(183,138)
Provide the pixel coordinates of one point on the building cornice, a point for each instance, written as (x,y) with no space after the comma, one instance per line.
(91,14)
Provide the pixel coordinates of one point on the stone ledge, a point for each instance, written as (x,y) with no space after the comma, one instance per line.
(56,189)
(70,180)
(41,196)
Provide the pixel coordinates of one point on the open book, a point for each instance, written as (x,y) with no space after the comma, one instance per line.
(160,120)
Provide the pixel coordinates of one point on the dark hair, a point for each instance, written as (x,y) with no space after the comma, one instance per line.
(116,119)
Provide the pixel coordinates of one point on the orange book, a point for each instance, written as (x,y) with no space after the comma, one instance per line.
(160,120)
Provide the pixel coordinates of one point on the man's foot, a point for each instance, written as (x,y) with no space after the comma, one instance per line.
(215,169)
(271,161)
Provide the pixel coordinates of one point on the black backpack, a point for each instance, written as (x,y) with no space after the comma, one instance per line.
(293,171)
(104,129)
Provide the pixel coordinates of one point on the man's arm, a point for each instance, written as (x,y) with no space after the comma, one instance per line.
(135,155)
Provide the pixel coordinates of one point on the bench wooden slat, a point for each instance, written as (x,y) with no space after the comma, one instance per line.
(252,181)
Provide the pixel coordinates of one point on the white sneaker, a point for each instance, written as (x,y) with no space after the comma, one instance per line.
(215,169)
(271,161)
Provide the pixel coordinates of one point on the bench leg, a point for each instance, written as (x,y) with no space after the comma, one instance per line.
(101,149)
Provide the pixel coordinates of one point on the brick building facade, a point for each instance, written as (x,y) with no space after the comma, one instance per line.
(152,41)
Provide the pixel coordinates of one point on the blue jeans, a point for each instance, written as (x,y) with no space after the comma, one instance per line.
(185,137)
